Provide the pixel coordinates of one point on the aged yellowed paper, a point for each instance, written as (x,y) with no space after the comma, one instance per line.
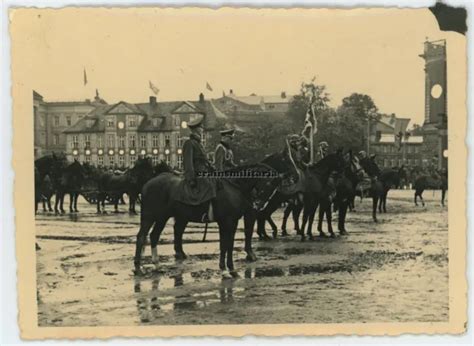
(151,121)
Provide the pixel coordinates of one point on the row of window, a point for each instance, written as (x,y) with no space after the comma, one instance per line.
(131,119)
(141,141)
(394,162)
(64,121)
(393,149)
(124,161)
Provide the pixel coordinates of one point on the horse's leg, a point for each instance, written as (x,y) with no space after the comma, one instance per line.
(76,197)
(44,204)
(49,203)
(179,227)
(422,200)
(61,202)
(312,212)
(341,225)
(223,250)
(116,202)
(385,201)
(297,208)
(443,195)
(416,197)
(286,214)
(273,226)
(99,199)
(322,211)
(249,222)
(145,225)
(56,203)
(375,200)
(71,202)
(329,219)
(232,227)
(155,237)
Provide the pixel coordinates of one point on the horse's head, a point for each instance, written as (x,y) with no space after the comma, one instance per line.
(142,170)
(353,165)
(161,167)
(370,166)
(282,162)
(265,186)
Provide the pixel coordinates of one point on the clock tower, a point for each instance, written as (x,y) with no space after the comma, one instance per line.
(435,143)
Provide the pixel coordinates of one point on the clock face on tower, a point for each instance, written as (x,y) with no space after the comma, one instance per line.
(121,125)
(436,91)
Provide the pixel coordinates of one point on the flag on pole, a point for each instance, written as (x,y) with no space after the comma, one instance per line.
(85,77)
(208,86)
(310,123)
(153,88)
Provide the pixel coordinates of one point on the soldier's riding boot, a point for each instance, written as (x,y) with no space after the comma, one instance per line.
(209,216)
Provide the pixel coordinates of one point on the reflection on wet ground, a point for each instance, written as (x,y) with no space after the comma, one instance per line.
(396,270)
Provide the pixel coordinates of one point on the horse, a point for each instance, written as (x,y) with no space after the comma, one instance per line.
(433,181)
(131,183)
(345,193)
(67,179)
(316,187)
(235,198)
(381,182)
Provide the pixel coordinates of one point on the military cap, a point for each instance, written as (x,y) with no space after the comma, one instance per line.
(196,122)
(227,132)
(323,144)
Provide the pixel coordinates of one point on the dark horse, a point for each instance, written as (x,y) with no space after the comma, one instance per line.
(235,198)
(433,181)
(345,192)
(316,187)
(44,168)
(381,182)
(131,183)
(67,179)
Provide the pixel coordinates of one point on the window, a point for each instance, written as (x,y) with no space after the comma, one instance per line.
(180,161)
(417,149)
(143,141)
(68,120)
(110,122)
(88,159)
(99,141)
(179,141)
(177,120)
(393,162)
(167,140)
(132,141)
(133,158)
(87,141)
(111,141)
(155,160)
(56,120)
(132,121)
(168,160)
(121,141)
(75,141)
(100,160)
(155,142)
(111,160)
(56,140)
(121,160)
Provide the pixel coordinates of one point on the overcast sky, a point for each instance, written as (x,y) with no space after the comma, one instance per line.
(366,51)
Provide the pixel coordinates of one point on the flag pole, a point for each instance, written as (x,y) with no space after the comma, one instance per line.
(311,139)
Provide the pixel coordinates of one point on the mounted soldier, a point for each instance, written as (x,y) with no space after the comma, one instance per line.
(323,150)
(224,156)
(197,188)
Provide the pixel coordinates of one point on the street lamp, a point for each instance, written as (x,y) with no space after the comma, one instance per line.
(155,151)
(167,151)
(180,151)
(143,152)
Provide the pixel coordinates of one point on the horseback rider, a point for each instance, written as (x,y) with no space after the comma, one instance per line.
(224,156)
(197,188)
(323,150)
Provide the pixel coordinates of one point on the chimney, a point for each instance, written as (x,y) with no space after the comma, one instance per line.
(283,94)
(201,97)
(153,101)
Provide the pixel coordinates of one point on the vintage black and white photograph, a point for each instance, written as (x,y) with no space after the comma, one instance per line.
(239,166)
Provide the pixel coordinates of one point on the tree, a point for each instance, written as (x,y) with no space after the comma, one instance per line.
(310,93)
(356,111)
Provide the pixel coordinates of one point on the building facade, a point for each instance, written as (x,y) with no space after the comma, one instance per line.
(393,144)
(116,135)
(434,128)
(52,118)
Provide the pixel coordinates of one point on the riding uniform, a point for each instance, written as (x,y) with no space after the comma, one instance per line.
(224,156)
